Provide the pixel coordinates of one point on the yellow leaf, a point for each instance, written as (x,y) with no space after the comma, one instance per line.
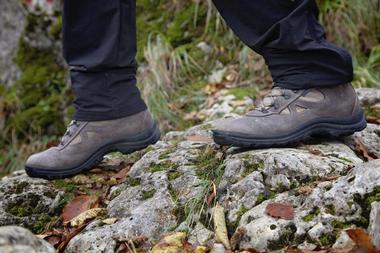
(87,215)
(170,244)
(221,234)
(201,249)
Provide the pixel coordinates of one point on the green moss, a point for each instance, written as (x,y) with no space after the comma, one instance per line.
(19,187)
(286,239)
(18,211)
(327,240)
(310,217)
(330,208)
(162,166)
(173,175)
(166,154)
(341,225)
(242,92)
(268,194)
(148,194)
(251,167)
(116,193)
(260,199)
(365,204)
(66,185)
(231,227)
(42,223)
(56,28)
(134,181)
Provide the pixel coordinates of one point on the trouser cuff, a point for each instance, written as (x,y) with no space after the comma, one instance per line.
(106,95)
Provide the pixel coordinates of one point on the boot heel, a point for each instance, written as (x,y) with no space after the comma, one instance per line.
(130,147)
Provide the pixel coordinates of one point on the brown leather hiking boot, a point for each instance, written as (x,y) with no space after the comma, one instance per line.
(85,144)
(288,116)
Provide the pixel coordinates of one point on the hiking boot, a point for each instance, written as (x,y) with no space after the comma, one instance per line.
(286,117)
(85,143)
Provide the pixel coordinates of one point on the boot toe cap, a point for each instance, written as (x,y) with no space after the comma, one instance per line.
(43,160)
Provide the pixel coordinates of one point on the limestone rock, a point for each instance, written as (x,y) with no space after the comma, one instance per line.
(19,240)
(374,224)
(368,96)
(369,137)
(27,202)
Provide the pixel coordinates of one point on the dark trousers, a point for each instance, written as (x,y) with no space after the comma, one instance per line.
(100,48)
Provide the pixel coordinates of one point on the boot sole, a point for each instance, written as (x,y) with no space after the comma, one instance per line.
(326,128)
(130,145)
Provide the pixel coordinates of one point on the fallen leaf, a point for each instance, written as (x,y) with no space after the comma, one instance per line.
(170,244)
(362,239)
(85,216)
(221,234)
(362,149)
(212,195)
(123,173)
(237,237)
(278,210)
(201,249)
(54,240)
(123,248)
(77,206)
(68,235)
(305,190)
(250,250)
(110,221)
(373,120)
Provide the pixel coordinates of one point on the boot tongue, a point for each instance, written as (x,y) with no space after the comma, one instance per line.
(71,130)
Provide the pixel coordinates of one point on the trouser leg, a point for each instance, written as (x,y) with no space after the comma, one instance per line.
(287,34)
(99,41)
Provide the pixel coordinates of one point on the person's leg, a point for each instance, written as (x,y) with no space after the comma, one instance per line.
(100,48)
(99,41)
(287,34)
(311,94)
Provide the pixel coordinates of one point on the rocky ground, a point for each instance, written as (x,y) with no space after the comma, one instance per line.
(329,186)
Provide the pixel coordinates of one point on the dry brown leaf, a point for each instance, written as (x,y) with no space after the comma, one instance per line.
(123,248)
(85,216)
(362,239)
(54,240)
(77,206)
(67,236)
(362,149)
(123,173)
(305,190)
(373,120)
(212,195)
(221,234)
(237,237)
(279,210)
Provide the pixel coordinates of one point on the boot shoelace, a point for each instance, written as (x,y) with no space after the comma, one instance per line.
(71,128)
(274,99)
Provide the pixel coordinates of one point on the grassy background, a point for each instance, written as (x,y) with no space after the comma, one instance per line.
(174,70)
